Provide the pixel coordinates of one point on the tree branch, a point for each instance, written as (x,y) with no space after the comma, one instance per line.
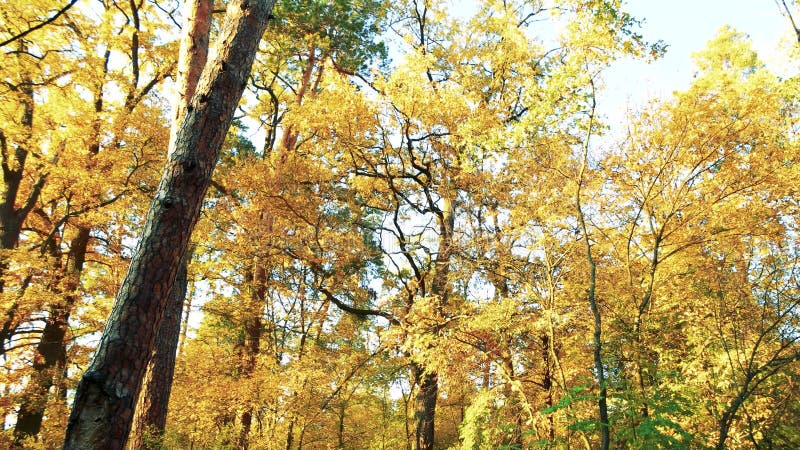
(49,20)
(357,311)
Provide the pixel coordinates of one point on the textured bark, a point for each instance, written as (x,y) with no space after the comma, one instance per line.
(151,410)
(104,401)
(425,408)
(51,352)
(191,59)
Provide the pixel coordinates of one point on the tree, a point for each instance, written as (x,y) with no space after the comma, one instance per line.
(446,249)
(69,221)
(102,413)
(151,412)
(697,183)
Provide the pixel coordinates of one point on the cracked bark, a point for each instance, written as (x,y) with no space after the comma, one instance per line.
(102,413)
(151,409)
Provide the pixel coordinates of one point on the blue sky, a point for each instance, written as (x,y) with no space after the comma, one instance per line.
(686,26)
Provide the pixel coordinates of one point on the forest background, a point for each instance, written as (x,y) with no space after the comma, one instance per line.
(428,226)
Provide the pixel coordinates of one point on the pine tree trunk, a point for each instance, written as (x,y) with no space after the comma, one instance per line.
(104,402)
(151,411)
(192,58)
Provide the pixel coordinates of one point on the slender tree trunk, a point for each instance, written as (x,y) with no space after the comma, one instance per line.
(14,210)
(290,436)
(724,428)
(340,427)
(547,383)
(599,369)
(51,352)
(103,409)
(729,414)
(187,309)
(251,343)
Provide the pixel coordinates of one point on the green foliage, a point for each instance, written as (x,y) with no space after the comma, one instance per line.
(346,31)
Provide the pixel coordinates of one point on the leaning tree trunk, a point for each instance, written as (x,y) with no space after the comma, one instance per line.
(151,410)
(104,402)
(192,58)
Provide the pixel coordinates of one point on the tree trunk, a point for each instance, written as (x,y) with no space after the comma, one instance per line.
(12,216)
(250,345)
(192,58)
(103,409)
(425,402)
(599,369)
(425,408)
(548,384)
(729,414)
(340,426)
(187,309)
(52,348)
(514,406)
(290,436)
(51,352)
(151,411)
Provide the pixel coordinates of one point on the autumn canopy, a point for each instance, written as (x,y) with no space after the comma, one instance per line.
(364,224)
